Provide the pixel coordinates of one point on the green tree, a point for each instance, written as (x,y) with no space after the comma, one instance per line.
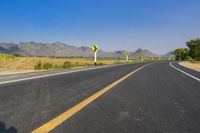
(181,53)
(194,48)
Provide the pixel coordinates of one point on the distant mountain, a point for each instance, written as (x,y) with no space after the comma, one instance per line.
(119,53)
(59,49)
(3,50)
(170,54)
(56,49)
(143,52)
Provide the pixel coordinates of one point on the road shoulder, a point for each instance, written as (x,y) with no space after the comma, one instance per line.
(191,65)
(189,72)
(34,75)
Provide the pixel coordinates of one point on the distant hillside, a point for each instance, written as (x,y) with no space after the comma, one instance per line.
(58,49)
(170,54)
(143,52)
(3,50)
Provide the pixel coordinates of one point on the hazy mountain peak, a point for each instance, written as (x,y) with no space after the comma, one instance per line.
(170,54)
(139,50)
(119,52)
(3,50)
(84,48)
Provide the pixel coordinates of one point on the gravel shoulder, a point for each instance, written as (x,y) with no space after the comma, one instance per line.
(192,65)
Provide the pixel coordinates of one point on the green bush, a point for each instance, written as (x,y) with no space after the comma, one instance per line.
(47,66)
(88,64)
(67,64)
(100,64)
(56,66)
(6,57)
(38,66)
(77,64)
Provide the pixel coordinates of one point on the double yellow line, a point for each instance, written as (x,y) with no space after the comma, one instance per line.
(47,127)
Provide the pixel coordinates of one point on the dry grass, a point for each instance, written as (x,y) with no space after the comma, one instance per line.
(26,64)
(192,65)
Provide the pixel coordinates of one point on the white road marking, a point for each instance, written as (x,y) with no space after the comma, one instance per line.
(54,74)
(184,72)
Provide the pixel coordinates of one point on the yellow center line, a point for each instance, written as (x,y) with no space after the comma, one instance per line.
(47,127)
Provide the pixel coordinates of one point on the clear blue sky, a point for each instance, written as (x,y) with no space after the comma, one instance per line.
(158,25)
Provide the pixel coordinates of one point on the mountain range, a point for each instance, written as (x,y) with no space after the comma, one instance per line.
(59,49)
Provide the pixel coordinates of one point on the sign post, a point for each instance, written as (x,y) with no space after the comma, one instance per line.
(95,49)
(142,56)
(95,58)
(126,54)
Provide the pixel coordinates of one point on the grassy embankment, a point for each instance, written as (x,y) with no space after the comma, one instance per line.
(14,63)
(195,65)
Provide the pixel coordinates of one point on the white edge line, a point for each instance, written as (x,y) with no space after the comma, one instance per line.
(184,72)
(54,74)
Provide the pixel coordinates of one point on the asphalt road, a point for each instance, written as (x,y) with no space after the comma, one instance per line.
(155,99)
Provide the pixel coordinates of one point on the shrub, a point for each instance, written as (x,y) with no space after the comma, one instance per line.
(6,57)
(67,64)
(100,64)
(87,64)
(38,66)
(56,66)
(77,64)
(47,66)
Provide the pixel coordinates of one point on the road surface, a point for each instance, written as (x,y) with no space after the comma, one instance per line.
(155,98)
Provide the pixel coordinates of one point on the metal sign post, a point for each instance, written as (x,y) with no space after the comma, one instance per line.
(142,57)
(126,54)
(95,58)
(95,49)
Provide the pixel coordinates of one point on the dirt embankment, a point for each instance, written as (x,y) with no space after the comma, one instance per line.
(27,64)
(195,65)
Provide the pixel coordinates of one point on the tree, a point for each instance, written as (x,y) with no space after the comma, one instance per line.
(181,53)
(194,48)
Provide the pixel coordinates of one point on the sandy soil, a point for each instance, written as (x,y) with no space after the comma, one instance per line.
(191,65)
(26,64)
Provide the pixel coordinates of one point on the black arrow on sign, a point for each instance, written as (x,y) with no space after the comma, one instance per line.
(95,48)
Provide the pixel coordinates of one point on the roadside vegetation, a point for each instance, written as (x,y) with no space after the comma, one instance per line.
(15,63)
(6,57)
(192,52)
(190,56)
(66,64)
